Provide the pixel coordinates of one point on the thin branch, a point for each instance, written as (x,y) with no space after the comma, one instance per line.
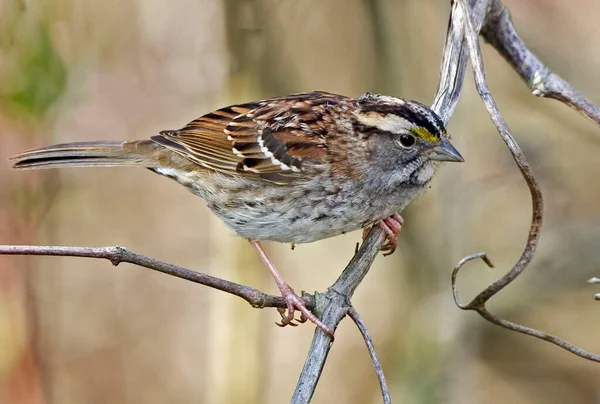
(478,303)
(452,70)
(482,310)
(331,307)
(537,334)
(385,392)
(117,255)
(520,160)
(455,58)
(458,266)
(500,32)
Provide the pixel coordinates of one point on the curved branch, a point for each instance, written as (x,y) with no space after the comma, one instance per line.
(478,303)
(520,160)
(458,266)
(483,312)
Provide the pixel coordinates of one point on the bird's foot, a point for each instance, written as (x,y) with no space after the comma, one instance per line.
(292,300)
(391,226)
(295,302)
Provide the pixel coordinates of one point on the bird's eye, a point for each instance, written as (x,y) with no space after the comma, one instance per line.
(407,140)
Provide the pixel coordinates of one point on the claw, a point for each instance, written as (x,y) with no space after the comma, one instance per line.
(391,226)
(294,302)
(302,319)
(286,319)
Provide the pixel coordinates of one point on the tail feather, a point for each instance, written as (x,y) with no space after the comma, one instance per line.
(88,154)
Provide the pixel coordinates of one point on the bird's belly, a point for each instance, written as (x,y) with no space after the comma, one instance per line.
(294,213)
(301,223)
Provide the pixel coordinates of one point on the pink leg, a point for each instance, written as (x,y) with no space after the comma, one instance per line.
(293,301)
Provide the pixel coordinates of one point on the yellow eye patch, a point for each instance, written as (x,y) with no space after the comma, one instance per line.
(425,135)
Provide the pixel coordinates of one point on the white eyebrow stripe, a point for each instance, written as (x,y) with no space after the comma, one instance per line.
(387,123)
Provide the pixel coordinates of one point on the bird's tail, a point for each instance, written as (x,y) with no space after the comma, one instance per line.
(90,154)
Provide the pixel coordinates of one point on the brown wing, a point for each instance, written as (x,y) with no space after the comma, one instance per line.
(270,138)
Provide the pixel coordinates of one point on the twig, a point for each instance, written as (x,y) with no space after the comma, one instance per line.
(520,160)
(478,303)
(500,32)
(385,392)
(454,60)
(482,310)
(331,306)
(117,255)
(334,305)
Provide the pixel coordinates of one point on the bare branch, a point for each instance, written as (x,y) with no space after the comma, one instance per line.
(117,255)
(385,392)
(458,266)
(520,160)
(331,307)
(482,310)
(478,303)
(454,60)
(500,32)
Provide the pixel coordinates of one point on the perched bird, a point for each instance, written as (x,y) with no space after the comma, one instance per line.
(292,169)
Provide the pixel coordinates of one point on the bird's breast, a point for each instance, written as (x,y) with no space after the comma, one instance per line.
(300,212)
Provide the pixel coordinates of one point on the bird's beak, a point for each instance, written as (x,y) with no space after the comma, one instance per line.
(445,152)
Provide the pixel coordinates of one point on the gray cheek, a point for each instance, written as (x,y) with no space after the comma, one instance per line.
(388,175)
(395,156)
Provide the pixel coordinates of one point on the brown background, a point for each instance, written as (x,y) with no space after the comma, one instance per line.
(82,331)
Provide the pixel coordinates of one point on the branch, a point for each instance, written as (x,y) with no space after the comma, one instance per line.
(478,303)
(385,392)
(520,160)
(500,32)
(331,306)
(117,255)
(455,58)
(331,309)
(483,312)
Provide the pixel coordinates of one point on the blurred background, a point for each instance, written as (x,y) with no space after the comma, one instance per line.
(82,331)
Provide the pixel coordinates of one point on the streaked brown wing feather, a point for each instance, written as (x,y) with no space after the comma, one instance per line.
(270,138)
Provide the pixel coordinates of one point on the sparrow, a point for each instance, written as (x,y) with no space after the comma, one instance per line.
(292,169)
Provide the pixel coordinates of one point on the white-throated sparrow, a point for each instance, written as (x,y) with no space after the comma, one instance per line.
(292,169)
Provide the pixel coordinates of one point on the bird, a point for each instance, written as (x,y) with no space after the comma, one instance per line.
(291,169)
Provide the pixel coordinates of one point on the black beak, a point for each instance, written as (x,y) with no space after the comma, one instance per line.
(445,152)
